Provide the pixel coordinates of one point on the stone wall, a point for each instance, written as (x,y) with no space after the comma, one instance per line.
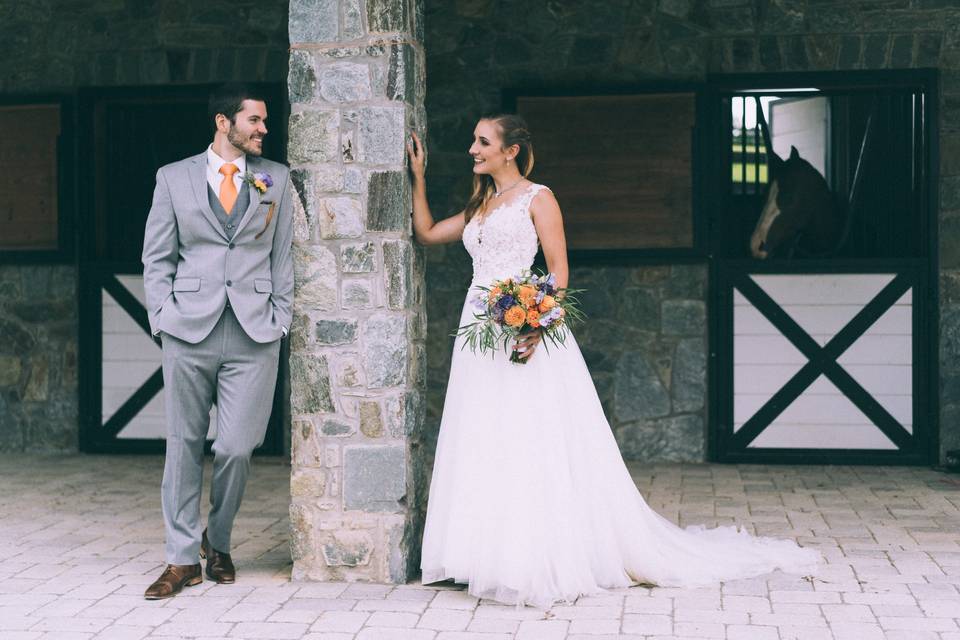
(357,361)
(38,358)
(51,46)
(476,49)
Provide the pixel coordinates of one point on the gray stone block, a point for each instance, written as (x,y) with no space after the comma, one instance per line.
(672,439)
(333,427)
(349,371)
(850,52)
(10,369)
(403,81)
(353,180)
(638,392)
(315,278)
(384,16)
(374,478)
(388,199)
(683,317)
(357,294)
(314,136)
(309,384)
(305,450)
(358,258)
(385,351)
(640,308)
(397,273)
(405,414)
(348,549)
(382,136)
(340,218)
(689,376)
(330,332)
(302,78)
(314,21)
(352,19)
(342,82)
(308,484)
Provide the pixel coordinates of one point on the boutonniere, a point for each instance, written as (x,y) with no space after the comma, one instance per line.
(259,181)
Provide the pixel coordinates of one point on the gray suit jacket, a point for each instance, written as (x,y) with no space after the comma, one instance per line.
(191,269)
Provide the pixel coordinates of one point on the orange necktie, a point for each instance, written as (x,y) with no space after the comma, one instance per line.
(228,190)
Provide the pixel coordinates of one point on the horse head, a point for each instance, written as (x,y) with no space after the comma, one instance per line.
(799,203)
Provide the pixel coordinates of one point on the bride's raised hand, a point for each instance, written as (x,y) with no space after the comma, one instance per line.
(416,156)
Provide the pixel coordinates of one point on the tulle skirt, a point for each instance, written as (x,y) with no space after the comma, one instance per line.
(531,502)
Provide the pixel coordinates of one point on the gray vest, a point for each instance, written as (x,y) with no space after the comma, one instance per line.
(229,222)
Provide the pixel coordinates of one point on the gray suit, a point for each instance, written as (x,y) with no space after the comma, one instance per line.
(219,289)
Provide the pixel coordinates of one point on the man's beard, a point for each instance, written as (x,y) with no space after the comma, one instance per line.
(244,144)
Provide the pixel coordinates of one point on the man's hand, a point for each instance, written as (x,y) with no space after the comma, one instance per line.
(527,343)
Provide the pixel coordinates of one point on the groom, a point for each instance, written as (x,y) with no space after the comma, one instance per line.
(218,275)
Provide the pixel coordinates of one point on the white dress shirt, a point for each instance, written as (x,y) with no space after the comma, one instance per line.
(215,178)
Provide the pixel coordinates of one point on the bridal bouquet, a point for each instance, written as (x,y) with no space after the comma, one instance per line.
(524,303)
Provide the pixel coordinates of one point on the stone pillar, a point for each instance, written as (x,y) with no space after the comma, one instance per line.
(357,359)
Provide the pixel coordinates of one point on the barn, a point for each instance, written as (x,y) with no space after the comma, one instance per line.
(821,325)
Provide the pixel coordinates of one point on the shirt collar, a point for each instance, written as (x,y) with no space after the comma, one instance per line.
(215,162)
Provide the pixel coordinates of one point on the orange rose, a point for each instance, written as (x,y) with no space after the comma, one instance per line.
(527,295)
(493,294)
(548,302)
(533,318)
(515,316)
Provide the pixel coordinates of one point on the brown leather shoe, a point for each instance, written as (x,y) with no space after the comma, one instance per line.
(172,581)
(219,565)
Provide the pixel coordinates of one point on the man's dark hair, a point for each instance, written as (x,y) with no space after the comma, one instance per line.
(228,100)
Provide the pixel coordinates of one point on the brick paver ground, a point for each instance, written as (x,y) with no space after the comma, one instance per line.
(81,537)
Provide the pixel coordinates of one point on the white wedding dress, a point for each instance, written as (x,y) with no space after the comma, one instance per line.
(530,501)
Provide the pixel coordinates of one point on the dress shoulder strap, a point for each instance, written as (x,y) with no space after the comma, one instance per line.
(530,194)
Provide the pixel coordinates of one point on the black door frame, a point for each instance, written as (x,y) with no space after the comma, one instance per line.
(922,274)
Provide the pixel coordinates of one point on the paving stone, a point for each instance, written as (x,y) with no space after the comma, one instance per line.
(445,619)
(873,518)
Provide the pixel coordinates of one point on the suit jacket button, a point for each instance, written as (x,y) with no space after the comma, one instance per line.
(231,246)
(229,283)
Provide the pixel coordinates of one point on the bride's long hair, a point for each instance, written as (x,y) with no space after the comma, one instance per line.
(513,131)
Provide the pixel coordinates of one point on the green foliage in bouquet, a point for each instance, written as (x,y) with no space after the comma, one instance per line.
(523,304)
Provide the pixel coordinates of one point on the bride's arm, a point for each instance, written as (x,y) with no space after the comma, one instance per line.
(424,228)
(549,223)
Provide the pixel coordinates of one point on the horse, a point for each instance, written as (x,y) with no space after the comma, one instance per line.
(801,214)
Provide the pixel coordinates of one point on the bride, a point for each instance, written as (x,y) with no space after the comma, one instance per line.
(530,501)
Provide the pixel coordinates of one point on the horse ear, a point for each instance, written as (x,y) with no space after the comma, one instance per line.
(794,154)
(775,162)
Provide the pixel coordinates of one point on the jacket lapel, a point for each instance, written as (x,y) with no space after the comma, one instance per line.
(198,180)
(253,166)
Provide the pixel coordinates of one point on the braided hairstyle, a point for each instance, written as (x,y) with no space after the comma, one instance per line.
(513,131)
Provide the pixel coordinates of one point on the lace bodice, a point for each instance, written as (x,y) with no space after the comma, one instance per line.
(504,241)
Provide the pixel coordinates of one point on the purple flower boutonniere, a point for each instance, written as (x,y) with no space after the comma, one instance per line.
(259,181)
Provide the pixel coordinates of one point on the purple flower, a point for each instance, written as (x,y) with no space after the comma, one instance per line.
(265,178)
(505,302)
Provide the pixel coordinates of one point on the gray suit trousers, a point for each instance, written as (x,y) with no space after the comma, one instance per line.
(243,375)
